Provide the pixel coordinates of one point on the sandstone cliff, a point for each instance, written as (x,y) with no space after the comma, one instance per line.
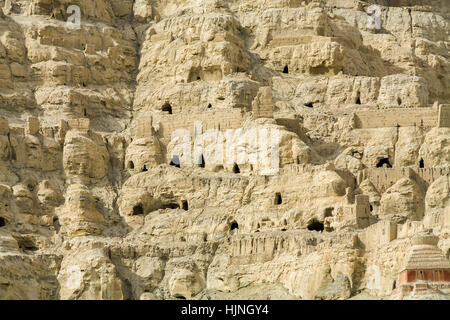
(98,202)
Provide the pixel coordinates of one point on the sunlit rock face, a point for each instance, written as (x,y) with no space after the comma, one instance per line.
(221,149)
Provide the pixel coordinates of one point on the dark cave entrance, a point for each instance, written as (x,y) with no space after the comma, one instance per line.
(278,199)
(384,163)
(234,226)
(201,162)
(316,226)
(138,210)
(167,108)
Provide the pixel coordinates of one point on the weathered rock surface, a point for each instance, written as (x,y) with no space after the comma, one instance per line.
(97,202)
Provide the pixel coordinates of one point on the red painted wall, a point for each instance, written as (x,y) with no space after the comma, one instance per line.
(409,276)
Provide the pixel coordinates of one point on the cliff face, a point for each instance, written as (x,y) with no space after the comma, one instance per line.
(343,116)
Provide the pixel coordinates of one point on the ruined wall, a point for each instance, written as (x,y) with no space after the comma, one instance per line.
(423,117)
(444,116)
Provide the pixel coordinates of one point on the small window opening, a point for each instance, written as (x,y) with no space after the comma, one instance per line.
(358,99)
(185,205)
(85,112)
(421,163)
(278,199)
(309,105)
(167,108)
(202,162)
(370,207)
(329,212)
(145,168)
(56,224)
(209,106)
(130,165)
(180,297)
(234,225)
(2,222)
(399,101)
(236,168)
(286,69)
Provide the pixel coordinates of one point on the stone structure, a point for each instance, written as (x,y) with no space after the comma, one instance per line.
(426,267)
(420,117)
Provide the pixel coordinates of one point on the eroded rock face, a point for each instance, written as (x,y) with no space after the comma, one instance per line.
(79,215)
(403,198)
(90,277)
(318,147)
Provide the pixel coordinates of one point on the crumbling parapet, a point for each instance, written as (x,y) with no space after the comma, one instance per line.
(444,116)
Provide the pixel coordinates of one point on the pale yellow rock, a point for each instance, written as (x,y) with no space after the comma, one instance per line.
(93,204)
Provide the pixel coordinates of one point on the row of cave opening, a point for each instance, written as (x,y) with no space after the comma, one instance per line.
(384,162)
(314,225)
(175,162)
(168,108)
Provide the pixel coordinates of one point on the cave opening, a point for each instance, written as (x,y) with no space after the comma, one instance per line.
(316,226)
(2,222)
(175,162)
(201,162)
(185,205)
(167,108)
(56,224)
(421,164)
(286,69)
(234,225)
(180,297)
(145,168)
(130,165)
(236,168)
(358,98)
(370,207)
(209,106)
(138,210)
(399,101)
(309,105)
(278,199)
(384,163)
